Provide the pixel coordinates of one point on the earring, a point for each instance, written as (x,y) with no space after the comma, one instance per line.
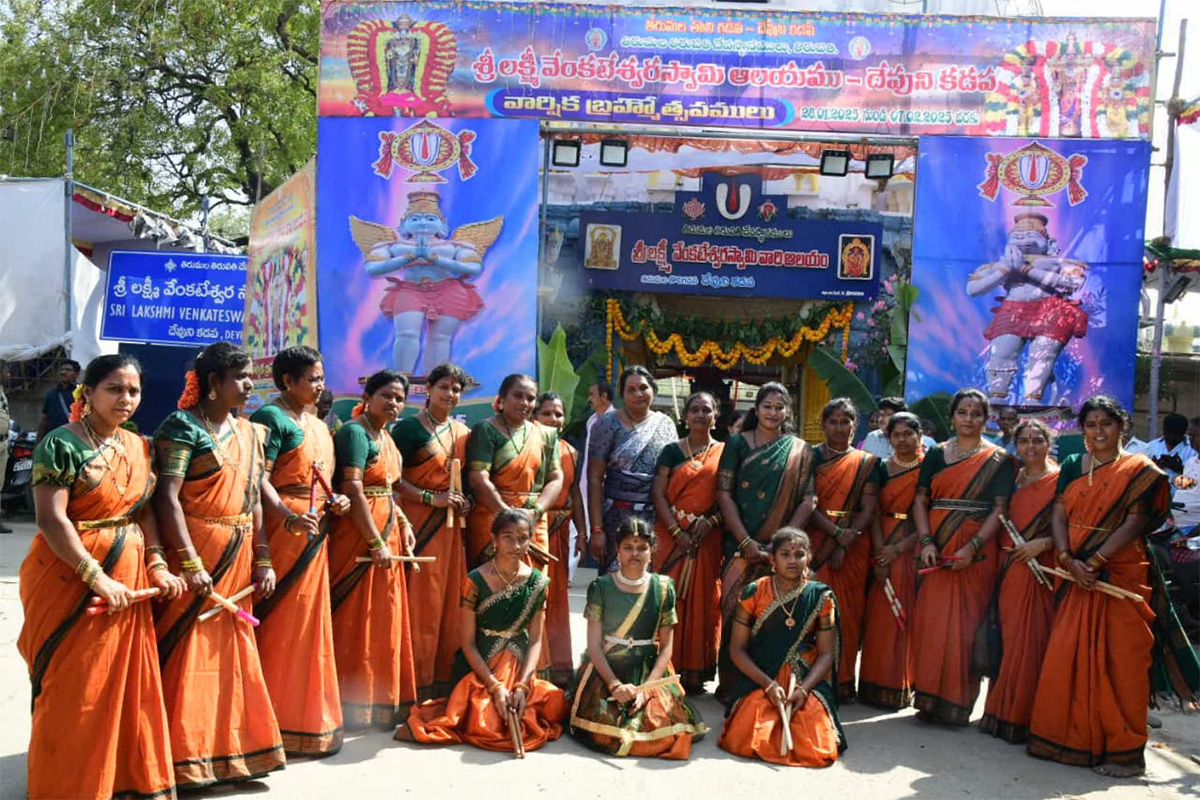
(87,408)
(212,394)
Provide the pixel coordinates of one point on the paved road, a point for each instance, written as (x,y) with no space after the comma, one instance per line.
(890,755)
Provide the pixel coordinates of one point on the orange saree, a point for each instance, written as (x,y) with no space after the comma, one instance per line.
(517,471)
(223,726)
(1025,609)
(885,676)
(99,728)
(372,636)
(1091,701)
(951,605)
(295,640)
(469,715)
(840,482)
(433,591)
(558,603)
(692,493)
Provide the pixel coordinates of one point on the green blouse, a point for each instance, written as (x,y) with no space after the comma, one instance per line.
(670,457)
(1002,483)
(181,442)
(283,434)
(59,457)
(354,448)
(489,449)
(609,606)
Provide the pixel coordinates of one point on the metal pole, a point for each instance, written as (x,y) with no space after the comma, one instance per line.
(68,199)
(1160,311)
(204,208)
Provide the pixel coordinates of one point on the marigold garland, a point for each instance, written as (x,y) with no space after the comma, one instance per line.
(358,410)
(191,391)
(78,406)
(722,359)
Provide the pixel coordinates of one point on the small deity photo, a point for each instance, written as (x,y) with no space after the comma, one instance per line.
(856,257)
(602,247)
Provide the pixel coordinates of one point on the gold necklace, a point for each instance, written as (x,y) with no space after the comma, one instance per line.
(959,455)
(905,464)
(1024,478)
(790,613)
(219,451)
(834,451)
(376,435)
(512,434)
(1092,463)
(116,446)
(433,426)
(508,582)
(696,457)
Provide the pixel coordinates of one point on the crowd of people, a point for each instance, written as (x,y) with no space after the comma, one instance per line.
(244,591)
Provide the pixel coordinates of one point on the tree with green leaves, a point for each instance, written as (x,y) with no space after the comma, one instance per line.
(170,100)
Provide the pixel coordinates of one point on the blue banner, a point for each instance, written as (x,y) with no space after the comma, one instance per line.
(730,239)
(174,297)
(1029,267)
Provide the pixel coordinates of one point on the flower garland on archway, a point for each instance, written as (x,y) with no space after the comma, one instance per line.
(615,322)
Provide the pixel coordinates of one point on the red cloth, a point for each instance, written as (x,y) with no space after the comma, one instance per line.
(452,298)
(1051,317)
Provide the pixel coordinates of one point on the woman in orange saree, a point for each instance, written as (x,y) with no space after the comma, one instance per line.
(429,443)
(763,483)
(847,487)
(963,488)
(885,675)
(1091,703)
(1024,607)
(566,509)
(513,463)
(689,540)
(372,636)
(295,639)
(99,727)
(503,621)
(210,466)
(785,642)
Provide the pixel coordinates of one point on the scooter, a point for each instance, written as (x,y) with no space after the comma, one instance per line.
(17,494)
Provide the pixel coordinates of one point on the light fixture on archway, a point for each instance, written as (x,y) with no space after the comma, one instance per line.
(565,153)
(880,165)
(614,153)
(835,162)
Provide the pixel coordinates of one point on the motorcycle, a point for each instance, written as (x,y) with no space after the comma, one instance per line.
(17,494)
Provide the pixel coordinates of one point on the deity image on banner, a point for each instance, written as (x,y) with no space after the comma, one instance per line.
(1037,311)
(433,293)
(855,261)
(602,246)
(401,68)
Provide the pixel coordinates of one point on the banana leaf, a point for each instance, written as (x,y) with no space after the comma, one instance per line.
(936,409)
(843,383)
(590,371)
(555,371)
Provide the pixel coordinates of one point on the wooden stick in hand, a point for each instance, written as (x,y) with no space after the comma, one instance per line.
(514,731)
(1099,586)
(408,559)
(233,598)
(100,606)
(455,486)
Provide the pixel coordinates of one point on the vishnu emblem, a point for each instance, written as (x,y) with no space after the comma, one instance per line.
(430,271)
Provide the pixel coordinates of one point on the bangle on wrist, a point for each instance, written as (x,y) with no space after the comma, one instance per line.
(1100,556)
(156,550)
(426,497)
(153,566)
(1096,561)
(977,542)
(291,519)
(744,542)
(1062,557)
(614,684)
(598,529)
(192,565)
(377,543)
(675,531)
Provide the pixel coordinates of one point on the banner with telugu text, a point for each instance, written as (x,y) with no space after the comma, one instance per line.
(281,296)
(863,73)
(1029,268)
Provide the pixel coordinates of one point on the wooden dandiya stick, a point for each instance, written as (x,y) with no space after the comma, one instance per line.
(948,562)
(894,603)
(1099,586)
(407,559)
(685,576)
(1019,540)
(542,554)
(657,683)
(98,605)
(785,742)
(313,483)
(514,731)
(233,598)
(455,486)
(228,605)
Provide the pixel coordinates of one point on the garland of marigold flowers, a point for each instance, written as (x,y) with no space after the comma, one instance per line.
(722,359)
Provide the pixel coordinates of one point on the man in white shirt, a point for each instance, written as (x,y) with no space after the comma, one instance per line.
(1171,450)
(600,399)
(877,442)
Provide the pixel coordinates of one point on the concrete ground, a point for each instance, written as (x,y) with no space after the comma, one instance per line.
(889,756)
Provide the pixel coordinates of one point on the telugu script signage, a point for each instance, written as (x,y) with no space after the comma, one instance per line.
(179,298)
(870,73)
(730,240)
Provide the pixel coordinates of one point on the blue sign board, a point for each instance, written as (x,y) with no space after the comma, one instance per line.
(174,297)
(730,239)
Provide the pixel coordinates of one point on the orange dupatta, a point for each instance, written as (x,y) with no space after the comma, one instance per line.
(692,493)
(840,484)
(372,633)
(433,591)
(885,674)
(223,726)
(295,640)
(106,713)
